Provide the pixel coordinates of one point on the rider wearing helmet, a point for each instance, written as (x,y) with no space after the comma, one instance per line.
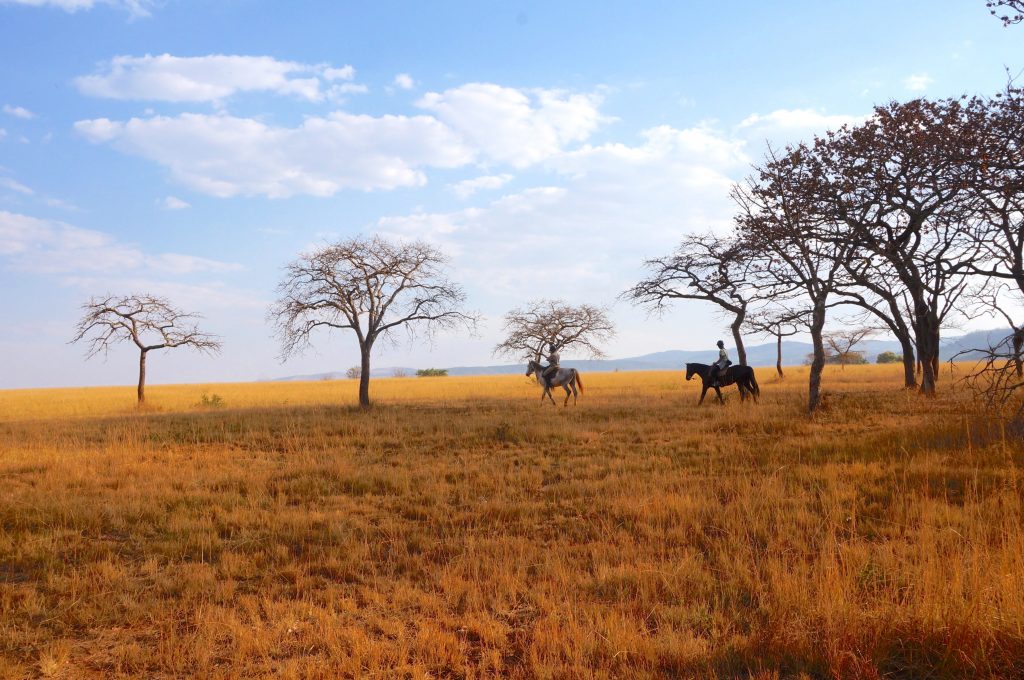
(718,368)
(552,367)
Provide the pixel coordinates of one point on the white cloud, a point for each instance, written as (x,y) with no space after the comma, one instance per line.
(209,78)
(18,112)
(173,203)
(607,208)
(468,187)
(797,119)
(404,81)
(225,156)
(339,93)
(215,295)
(346,72)
(134,7)
(517,127)
(54,247)
(16,186)
(918,82)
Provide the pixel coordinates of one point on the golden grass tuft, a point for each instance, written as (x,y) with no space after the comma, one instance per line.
(459,529)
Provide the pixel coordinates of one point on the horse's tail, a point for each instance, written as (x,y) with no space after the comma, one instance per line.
(579,379)
(753,382)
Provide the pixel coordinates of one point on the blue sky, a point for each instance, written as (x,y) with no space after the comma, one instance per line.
(191,149)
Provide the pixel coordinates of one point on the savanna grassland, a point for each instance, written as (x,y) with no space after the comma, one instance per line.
(458,529)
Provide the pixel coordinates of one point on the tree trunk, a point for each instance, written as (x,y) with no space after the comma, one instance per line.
(909,376)
(364,376)
(926,330)
(737,325)
(1018,345)
(142,376)
(818,362)
(778,355)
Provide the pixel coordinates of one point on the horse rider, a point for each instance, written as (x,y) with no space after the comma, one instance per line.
(552,368)
(718,368)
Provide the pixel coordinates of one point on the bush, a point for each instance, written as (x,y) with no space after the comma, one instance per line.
(889,358)
(432,373)
(211,401)
(354,372)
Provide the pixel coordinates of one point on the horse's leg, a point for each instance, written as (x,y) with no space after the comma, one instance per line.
(573,385)
(703,393)
(552,399)
(719,393)
(743,391)
(567,394)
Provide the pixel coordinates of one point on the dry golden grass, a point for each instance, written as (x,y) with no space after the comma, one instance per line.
(460,530)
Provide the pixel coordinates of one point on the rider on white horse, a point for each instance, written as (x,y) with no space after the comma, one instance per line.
(552,367)
(718,368)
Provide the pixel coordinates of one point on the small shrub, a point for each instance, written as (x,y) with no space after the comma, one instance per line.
(354,373)
(889,358)
(432,373)
(211,401)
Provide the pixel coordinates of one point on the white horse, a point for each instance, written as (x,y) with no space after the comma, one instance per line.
(566,378)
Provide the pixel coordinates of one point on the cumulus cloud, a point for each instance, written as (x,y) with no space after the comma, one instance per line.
(54,247)
(134,7)
(226,156)
(468,187)
(404,81)
(606,208)
(516,127)
(173,203)
(918,82)
(18,112)
(209,78)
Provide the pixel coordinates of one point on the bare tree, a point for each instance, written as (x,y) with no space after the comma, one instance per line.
(798,252)
(148,321)
(372,287)
(532,328)
(704,267)
(779,323)
(1015,7)
(842,342)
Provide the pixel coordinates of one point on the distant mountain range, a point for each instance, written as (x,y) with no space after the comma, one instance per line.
(793,353)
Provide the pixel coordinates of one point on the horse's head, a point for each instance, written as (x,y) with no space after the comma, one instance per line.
(530,368)
(690,370)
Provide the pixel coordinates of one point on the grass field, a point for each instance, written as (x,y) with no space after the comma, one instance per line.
(458,529)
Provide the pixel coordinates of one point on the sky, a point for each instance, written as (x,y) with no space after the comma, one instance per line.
(191,149)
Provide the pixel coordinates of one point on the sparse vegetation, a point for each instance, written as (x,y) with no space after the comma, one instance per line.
(889,358)
(432,373)
(456,530)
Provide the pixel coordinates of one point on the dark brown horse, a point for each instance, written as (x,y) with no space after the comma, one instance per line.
(742,376)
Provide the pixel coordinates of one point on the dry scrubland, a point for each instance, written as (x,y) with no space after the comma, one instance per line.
(460,530)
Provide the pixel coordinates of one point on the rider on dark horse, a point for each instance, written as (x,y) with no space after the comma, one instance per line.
(552,367)
(719,367)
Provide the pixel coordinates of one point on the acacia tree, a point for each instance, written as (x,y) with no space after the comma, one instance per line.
(1007,11)
(540,323)
(703,267)
(779,323)
(372,287)
(871,286)
(797,251)
(900,183)
(842,343)
(148,321)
